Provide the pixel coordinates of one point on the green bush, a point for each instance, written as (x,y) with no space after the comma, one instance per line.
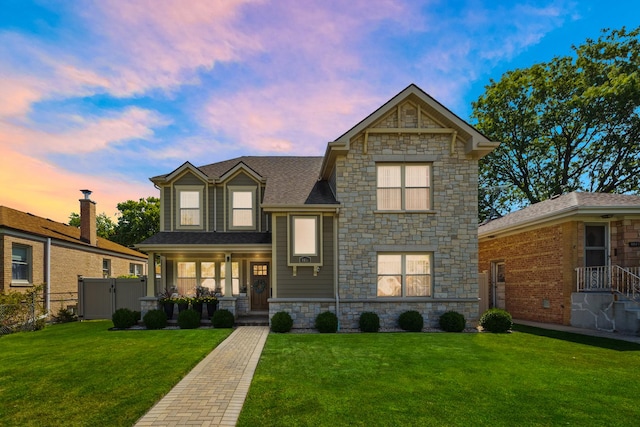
(189,319)
(369,322)
(155,319)
(411,321)
(281,322)
(123,318)
(222,319)
(65,315)
(496,320)
(452,321)
(327,323)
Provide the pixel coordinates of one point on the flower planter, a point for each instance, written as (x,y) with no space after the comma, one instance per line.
(168,309)
(183,306)
(197,306)
(211,308)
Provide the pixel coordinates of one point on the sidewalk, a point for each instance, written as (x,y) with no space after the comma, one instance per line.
(590,332)
(212,394)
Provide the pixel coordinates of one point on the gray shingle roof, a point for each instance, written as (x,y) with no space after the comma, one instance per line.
(290,180)
(603,203)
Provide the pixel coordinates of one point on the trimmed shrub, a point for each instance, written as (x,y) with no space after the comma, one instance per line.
(281,322)
(223,319)
(411,321)
(123,318)
(369,322)
(189,319)
(327,323)
(452,321)
(496,320)
(155,319)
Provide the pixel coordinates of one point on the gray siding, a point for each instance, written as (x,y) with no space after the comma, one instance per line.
(219,207)
(211,209)
(304,284)
(166,208)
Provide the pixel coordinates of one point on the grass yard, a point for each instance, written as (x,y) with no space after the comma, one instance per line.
(527,378)
(82,374)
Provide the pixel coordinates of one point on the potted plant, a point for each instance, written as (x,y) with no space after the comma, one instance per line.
(182,301)
(166,299)
(211,302)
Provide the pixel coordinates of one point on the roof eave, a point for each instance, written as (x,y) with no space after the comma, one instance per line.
(303,208)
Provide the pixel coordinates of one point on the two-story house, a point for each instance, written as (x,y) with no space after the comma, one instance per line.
(385,221)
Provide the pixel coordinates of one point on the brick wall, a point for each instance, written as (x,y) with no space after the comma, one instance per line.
(539,271)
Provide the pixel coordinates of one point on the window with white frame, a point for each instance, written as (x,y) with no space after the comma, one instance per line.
(106,268)
(135,269)
(189,208)
(404,274)
(305,235)
(20,263)
(186,278)
(242,208)
(404,187)
(208,274)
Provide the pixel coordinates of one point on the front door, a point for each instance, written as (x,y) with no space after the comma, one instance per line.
(260,289)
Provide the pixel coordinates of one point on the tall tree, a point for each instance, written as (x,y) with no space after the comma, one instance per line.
(569,124)
(137,220)
(105,228)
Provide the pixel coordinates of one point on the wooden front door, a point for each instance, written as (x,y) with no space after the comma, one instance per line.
(260,288)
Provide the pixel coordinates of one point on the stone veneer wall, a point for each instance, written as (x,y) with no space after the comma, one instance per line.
(304,313)
(450,231)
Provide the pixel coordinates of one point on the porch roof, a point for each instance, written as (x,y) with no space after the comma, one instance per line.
(180,238)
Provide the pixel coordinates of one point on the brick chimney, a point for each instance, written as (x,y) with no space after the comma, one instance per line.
(88,228)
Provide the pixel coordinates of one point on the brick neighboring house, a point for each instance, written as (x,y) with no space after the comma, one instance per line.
(385,221)
(539,257)
(38,251)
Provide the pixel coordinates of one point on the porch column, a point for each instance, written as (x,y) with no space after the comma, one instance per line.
(151,274)
(228,279)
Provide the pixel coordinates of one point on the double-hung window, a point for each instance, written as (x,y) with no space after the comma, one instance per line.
(189,208)
(242,209)
(20,264)
(305,235)
(404,187)
(404,274)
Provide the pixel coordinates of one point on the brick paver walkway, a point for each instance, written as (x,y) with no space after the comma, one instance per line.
(212,394)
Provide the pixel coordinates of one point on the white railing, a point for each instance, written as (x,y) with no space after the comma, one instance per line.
(625,280)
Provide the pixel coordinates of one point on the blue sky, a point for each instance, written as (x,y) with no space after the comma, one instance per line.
(105,94)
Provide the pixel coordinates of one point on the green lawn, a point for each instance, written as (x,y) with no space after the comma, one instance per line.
(531,377)
(82,374)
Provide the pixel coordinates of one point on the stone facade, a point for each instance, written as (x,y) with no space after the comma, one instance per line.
(449,231)
(303,312)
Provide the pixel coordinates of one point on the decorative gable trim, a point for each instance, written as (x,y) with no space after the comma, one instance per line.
(180,171)
(241,167)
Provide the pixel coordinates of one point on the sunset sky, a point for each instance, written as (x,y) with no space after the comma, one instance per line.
(105,94)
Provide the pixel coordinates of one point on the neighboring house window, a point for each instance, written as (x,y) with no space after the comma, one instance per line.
(305,235)
(242,208)
(20,264)
(235,277)
(189,208)
(106,268)
(135,269)
(404,187)
(404,275)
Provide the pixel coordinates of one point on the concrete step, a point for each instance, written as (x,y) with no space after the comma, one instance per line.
(253,320)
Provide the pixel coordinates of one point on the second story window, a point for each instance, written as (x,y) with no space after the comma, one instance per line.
(404,187)
(189,208)
(242,210)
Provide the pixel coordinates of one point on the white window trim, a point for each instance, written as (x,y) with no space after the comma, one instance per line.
(315,231)
(230,191)
(319,256)
(403,188)
(178,190)
(403,289)
(29,263)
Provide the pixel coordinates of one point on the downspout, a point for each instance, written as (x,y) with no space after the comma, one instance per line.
(336,264)
(47,292)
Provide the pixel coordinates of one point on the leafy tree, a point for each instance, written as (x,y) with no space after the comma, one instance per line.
(569,124)
(137,220)
(105,228)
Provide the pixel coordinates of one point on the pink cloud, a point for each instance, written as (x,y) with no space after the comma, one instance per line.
(58,201)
